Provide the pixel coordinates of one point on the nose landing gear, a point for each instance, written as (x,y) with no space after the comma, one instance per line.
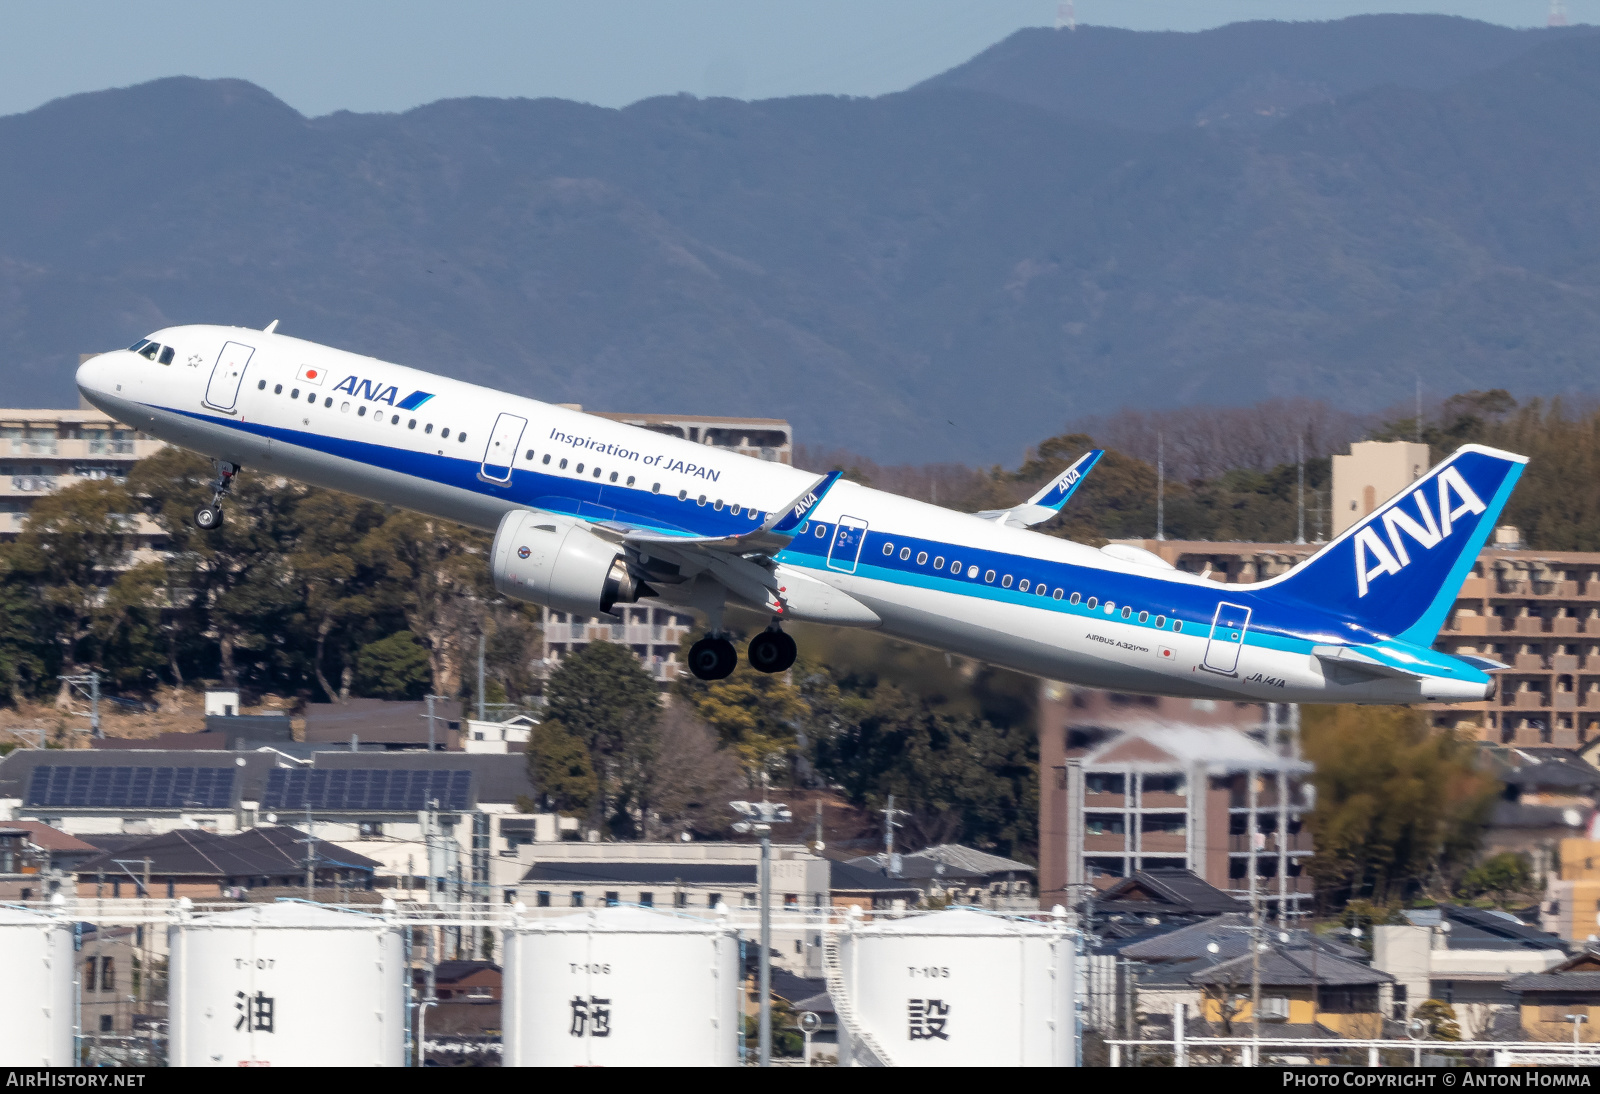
(713,658)
(771,651)
(208,517)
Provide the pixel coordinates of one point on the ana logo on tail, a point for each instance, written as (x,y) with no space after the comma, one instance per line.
(1375,558)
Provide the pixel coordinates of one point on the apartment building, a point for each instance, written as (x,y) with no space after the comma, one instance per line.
(1137,783)
(42,451)
(769,439)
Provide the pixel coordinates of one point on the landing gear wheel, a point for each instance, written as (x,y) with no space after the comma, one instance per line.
(771,651)
(208,517)
(713,659)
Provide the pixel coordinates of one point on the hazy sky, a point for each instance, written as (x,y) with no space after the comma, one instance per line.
(383,55)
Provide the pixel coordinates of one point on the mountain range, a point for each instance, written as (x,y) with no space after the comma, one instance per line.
(945,274)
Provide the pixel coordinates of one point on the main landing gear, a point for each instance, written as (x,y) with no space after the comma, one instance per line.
(771,651)
(714,658)
(208,517)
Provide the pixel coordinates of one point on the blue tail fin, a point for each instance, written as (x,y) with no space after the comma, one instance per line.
(1398,570)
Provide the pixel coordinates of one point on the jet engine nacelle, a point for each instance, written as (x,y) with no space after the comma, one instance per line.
(560,564)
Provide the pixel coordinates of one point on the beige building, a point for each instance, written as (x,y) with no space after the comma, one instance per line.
(769,439)
(1370,475)
(42,451)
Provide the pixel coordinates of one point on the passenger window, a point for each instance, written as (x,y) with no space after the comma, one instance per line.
(444,434)
(1161,621)
(1058,594)
(1126,612)
(1073,599)
(412,424)
(295,394)
(905,553)
(938,563)
(277,389)
(717,505)
(166,356)
(1022,586)
(922,558)
(701,500)
(394,419)
(629,482)
(1091,603)
(654,489)
(988,575)
(546,455)
(614,477)
(461,438)
(428,428)
(344,408)
(562,465)
(1144,617)
(361,411)
(1177,624)
(578,470)
(529,456)
(326,402)
(821,531)
(735,509)
(597,472)
(888,548)
(262,386)
(683,495)
(1005,582)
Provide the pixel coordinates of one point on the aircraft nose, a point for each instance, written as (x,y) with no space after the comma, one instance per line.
(95,374)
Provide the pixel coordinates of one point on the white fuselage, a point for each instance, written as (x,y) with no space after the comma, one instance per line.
(280,405)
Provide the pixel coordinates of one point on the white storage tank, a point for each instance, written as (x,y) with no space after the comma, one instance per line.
(36,1005)
(287,985)
(958,989)
(618,987)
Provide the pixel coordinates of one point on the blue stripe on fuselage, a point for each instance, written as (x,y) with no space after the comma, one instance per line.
(1192,605)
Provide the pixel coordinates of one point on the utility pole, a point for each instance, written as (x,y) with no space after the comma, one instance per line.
(89,685)
(761,816)
(311,857)
(1300,489)
(1161,487)
(481,715)
(430,698)
(889,825)
(1255,978)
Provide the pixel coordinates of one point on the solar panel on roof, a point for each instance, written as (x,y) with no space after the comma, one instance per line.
(130,787)
(385,790)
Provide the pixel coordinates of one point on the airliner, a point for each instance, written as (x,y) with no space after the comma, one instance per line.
(589,515)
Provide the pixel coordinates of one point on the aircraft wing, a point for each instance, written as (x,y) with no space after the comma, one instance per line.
(774,534)
(1047,502)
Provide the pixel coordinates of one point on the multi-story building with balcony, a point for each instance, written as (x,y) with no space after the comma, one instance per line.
(1139,783)
(769,439)
(653,634)
(42,451)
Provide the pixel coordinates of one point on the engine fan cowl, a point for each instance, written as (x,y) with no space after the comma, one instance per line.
(547,560)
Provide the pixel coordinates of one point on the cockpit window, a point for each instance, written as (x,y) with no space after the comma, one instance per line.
(166,355)
(139,345)
(149,350)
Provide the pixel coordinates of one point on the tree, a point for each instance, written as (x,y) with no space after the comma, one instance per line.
(1438,1020)
(602,696)
(1502,876)
(395,667)
(74,544)
(757,714)
(335,587)
(1400,807)
(560,769)
(958,775)
(692,780)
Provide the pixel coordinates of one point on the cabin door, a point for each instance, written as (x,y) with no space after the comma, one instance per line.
(845,550)
(502,450)
(226,376)
(1228,628)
